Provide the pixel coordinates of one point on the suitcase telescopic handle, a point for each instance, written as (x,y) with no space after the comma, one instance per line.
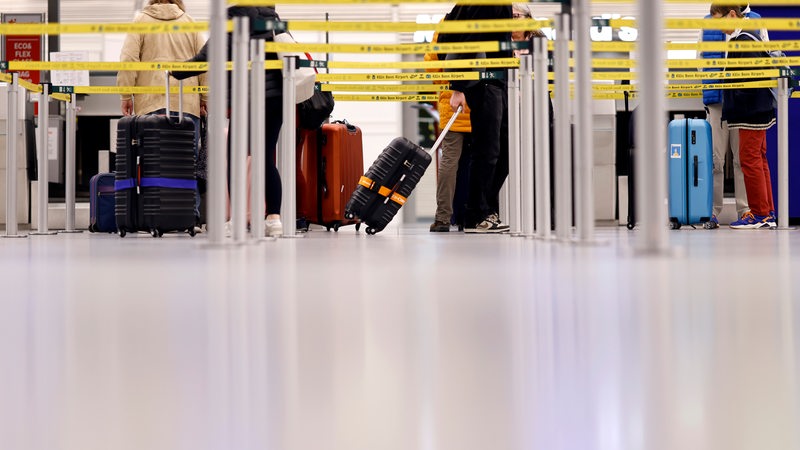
(180,97)
(445,130)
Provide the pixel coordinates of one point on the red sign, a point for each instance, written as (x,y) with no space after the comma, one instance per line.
(25,48)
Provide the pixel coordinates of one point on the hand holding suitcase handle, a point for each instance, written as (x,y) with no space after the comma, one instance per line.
(444,131)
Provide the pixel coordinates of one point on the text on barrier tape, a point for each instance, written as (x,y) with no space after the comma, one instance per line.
(461,47)
(476,26)
(385,98)
(372,87)
(718,24)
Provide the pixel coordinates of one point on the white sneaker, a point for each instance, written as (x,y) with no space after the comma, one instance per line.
(273,227)
(228,230)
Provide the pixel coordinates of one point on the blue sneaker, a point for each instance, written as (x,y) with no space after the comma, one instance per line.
(772,220)
(750,221)
(711,224)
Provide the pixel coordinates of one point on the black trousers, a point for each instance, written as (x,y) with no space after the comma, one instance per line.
(488,102)
(272,124)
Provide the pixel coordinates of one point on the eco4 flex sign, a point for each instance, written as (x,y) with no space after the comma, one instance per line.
(23,48)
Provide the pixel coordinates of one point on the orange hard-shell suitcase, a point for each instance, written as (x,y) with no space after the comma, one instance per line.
(330,162)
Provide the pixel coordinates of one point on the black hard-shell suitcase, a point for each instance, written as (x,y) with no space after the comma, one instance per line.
(155,178)
(384,189)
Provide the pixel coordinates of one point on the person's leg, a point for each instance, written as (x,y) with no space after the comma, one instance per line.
(751,157)
(462,182)
(767,177)
(501,169)
(448,169)
(719,139)
(273,122)
(738,178)
(486,117)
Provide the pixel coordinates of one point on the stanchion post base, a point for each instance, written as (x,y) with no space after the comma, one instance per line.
(43,233)
(70,231)
(296,235)
(15,236)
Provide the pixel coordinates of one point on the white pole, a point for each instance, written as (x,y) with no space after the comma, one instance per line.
(42,164)
(12,227)
(783,153)
(584,156)
(513,185)
(257,140)
(238,182)
(562,132)
(526,127)
(69,168)
(651,136)
(541,101)
(286,155)
(217,107)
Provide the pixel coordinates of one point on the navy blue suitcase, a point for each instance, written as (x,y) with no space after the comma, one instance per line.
(155,178)
(101,203)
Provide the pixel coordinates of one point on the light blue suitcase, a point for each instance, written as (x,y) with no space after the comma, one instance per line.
(690,172)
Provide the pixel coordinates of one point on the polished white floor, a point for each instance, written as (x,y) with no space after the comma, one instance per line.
(402,341)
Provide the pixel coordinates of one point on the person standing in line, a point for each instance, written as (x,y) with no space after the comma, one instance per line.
(454,147)
(723,138)
(488,100)
(273,121)
(751,111)
(162,47)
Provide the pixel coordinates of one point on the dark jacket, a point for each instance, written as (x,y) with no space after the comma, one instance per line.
(471,13)
(274,79)
(751,109)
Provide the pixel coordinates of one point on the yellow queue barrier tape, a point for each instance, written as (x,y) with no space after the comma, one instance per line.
(361,2)
(744,85)
(412,76)
(108,66)
(598,63)
(732,62)
(721,2)
(461,47)
(462,26)
(450,64)
(744,46)
(479,26)
(30,87)
(695,75)
(384,87)
(6,78)
(717,24)
(29,29)
(386,98)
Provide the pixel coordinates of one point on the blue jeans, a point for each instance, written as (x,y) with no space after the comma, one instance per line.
(196,121)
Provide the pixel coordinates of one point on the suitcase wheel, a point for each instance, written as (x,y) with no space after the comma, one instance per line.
(336,227)
(91,229)
(631,225)
(358,226)
(349,215)
(371,231)
(674,225)
(122,233)
(156,233)
(191,232)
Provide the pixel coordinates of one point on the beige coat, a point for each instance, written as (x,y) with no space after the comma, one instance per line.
(167,47)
